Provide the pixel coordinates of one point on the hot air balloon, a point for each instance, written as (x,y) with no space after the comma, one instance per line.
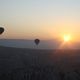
(1,30)
(37,41)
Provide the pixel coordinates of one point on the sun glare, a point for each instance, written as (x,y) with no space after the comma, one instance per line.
(67,38)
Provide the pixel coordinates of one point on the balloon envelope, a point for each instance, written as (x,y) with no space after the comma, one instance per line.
(37,41)
(1,30)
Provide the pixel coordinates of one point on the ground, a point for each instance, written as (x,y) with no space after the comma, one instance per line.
(29,64)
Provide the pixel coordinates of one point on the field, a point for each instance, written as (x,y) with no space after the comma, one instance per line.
(29,64)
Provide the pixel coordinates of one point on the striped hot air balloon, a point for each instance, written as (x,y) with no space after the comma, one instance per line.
(37,41)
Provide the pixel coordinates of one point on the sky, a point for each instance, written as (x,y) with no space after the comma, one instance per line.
(44,19)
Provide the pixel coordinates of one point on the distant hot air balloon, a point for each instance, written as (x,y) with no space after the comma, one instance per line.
(1,30)
(37,41)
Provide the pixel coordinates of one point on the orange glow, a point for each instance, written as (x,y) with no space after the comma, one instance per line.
(67,42)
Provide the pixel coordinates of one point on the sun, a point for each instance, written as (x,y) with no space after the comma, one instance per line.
(67,38)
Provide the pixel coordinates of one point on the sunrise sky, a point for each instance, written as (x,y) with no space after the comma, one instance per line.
(45,19)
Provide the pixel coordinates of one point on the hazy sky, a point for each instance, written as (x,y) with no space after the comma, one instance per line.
(45,19)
